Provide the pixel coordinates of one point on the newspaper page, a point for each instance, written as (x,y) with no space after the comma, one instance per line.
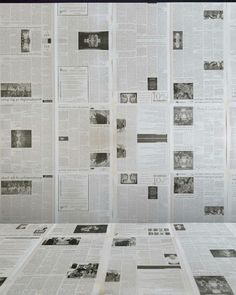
(27,111)
(84,112)
(17,242)
(141,111)
(198,96)
(67,261)
(142,258)
(212,262)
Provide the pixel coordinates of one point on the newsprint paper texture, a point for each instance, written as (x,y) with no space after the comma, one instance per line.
(118,113)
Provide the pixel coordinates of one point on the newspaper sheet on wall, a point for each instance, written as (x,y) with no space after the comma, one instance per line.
(27,110)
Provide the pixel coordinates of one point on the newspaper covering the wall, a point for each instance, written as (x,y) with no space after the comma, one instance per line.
(27,113)
(117,112)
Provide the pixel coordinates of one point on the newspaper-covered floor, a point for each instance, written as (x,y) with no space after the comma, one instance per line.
(118,259)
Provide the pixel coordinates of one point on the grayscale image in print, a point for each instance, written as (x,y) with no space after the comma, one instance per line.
(15,89)
(25,40)
(99,160)
(93,40)
(120,125)
(214,210)
(130,97)
(183,160)
(121,151)
(213,14)
(183,116)
(183,185)
(172,259)
(131,178)
(22,226)
(158,231)
(124,242)
(209,285)
(61,241)
(112,276)
(152,83)
(183,91)
(83,271)
(91,228)
(99,117)
(179,226)
(16,187)
(40,230)
(223,253)
(21,138)
(152,192)
(2,280)
(178,40)
(213,65)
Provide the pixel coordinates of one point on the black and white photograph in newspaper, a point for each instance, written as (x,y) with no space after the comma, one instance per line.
(16,187)
(183,116)
(209,285)
(21,138)
(83,271)
(93,40)
(183,185)
(91,228)
(61,241)
(124,242)
(183,160)
(183,91)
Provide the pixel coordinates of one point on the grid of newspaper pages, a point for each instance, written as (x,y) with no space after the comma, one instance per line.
(118,112)
(118,259)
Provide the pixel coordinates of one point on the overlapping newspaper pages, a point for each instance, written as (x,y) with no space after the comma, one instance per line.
(118,112)
(118,259)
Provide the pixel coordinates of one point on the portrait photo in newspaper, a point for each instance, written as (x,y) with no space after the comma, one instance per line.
(21,138)
(177,40)
(152,83)
(93,40)
(25,41)
(152,192)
